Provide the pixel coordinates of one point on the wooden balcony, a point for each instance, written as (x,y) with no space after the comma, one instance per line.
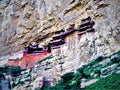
(85,28)
(57,42)
(69,32)
(58,32)
(55,47)
(58,36)
(88,30)
(87,23)
(86,19)
(34,50)
(37,51)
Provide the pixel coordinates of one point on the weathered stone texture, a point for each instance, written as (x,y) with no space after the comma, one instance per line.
(22,21)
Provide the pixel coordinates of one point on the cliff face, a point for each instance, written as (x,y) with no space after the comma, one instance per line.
(24,21)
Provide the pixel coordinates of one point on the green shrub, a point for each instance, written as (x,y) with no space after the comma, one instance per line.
(80,70)
(77,76)
(111,82)
(14,85)
(21,82)
(116,59)
(31,69)
(68,76)
(13,70)
(99,58)
(28,75)
(37,88)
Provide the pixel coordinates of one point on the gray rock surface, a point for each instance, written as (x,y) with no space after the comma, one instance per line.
(23,21)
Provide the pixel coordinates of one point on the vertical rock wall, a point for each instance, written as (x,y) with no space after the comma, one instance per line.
(24,21)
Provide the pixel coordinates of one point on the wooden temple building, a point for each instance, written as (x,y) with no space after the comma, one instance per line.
(29,59)
(63,38)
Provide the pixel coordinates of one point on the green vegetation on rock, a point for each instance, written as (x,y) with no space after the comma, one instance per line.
(98,68)
(13,70)
(49,57)
(111,82)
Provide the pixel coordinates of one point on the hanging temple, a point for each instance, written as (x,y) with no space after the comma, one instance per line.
(34,52)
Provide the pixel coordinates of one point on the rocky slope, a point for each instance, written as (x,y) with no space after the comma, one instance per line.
(99,69)
(42,75)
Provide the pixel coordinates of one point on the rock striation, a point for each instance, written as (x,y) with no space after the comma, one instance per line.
(23,21)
